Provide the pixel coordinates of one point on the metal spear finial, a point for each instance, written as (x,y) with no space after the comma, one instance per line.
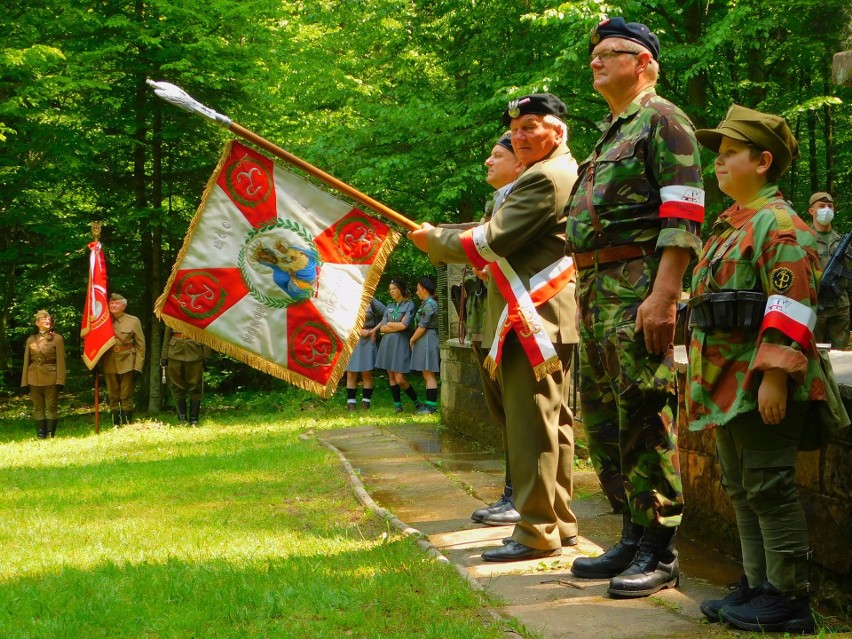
(181,99)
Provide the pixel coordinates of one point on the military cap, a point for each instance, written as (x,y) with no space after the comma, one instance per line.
(765,131)
(40,314)
(633,31)
(535,103)
(820,196)
(117,297)
(506,141)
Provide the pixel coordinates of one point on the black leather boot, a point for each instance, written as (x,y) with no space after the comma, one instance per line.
(128,417)
(653,568)
(180,405)
(194,410)
(116,419)
(614,560)
(41,426)
(51,427)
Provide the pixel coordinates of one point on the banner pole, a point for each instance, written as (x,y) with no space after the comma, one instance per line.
(179,98)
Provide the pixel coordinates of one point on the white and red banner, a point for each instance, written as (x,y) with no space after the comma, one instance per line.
(276,272)
(96,331)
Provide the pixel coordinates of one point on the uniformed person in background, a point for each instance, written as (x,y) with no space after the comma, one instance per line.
(833,315)
(184,360)
(523,245)
(122,364)
(633,226)
(754,368)
(44,373)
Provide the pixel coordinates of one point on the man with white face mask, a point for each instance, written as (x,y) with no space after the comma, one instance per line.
(833,311)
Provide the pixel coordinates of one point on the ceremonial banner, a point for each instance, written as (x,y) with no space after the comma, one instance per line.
(276,272)
(97,332)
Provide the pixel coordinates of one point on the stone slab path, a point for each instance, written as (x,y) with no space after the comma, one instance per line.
(433,483)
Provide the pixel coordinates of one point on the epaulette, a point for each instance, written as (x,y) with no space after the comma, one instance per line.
(783,217)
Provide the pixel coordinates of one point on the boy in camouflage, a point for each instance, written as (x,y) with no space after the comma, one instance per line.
(753,366)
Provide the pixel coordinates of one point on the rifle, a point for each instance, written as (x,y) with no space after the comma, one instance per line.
(834,270)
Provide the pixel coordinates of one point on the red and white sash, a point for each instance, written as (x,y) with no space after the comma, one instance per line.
(520,311)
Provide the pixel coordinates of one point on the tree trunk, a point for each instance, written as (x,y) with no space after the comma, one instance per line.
(828,132)
(813,165)
(156,283)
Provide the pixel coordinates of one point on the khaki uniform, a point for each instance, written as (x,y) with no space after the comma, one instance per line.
(123,361)
(44,372)
(528,230)
(185,359)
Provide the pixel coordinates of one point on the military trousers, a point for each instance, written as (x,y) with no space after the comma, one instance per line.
(45,401)
(185,379)
(120,388)
(832,326)
(493,401)
(628,398)
(758,463)
(540,434)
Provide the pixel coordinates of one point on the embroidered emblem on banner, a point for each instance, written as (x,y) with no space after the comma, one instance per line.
(199,294)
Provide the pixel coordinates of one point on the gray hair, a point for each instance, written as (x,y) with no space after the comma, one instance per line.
(653,70)
(557,124)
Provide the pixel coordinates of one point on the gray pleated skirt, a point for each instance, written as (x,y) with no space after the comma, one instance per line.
(394,352)
(425,356)
(363,357)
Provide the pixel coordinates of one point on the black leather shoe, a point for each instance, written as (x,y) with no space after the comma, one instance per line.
(481,513)
(739,594)
(513,551)
(654,567)
(502,516)
(566,541)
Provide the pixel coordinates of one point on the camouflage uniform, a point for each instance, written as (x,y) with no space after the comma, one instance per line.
(627,395)
(763,248)
(833,314)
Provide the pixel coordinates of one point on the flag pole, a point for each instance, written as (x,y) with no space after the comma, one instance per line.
(179,98)
(96,234)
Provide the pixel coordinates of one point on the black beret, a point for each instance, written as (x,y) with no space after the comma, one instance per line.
(535,103)
(633,31)
(506,142)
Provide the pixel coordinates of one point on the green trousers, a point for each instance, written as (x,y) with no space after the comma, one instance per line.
(758,464)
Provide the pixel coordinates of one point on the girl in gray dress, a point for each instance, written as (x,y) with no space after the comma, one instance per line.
(363,359)
(425,349)
(395,351)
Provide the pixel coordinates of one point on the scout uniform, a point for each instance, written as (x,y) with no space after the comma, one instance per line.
(123,363)
(394,350)
(833,313)
(184,358)
(530,330)
(639,192)
(44,374)
(754,299)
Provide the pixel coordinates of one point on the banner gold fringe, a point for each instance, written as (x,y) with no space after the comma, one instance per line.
(255,361)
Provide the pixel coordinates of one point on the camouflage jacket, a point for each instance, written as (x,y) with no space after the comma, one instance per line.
(764,248)
(647,155)
(827,243)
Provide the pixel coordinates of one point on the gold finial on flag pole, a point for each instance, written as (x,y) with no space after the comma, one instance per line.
(96,230)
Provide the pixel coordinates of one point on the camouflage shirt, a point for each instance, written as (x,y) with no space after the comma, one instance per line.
(827,243)
(647,155)
(764,248)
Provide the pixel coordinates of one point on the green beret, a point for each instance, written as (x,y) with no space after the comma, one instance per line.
(765,131)
(537,104)
(819,197)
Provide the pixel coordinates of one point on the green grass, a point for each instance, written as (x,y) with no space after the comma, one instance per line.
(236,529)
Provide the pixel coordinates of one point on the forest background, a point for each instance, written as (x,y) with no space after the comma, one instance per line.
(402,99)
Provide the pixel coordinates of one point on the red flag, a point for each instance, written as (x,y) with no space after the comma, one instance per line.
(97,332)
(276,272)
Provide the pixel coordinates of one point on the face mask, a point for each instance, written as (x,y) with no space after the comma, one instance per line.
(824,215)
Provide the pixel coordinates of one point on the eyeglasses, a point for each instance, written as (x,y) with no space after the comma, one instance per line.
(603,56)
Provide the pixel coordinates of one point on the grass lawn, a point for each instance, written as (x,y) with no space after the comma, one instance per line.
(235,529)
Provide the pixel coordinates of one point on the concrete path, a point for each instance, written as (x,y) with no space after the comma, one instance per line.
(433,483)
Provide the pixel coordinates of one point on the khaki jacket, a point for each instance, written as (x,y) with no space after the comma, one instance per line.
(44,360)
(528,229)
(128,354)
(182,349)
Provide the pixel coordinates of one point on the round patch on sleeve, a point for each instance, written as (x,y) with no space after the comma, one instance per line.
(781,279)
